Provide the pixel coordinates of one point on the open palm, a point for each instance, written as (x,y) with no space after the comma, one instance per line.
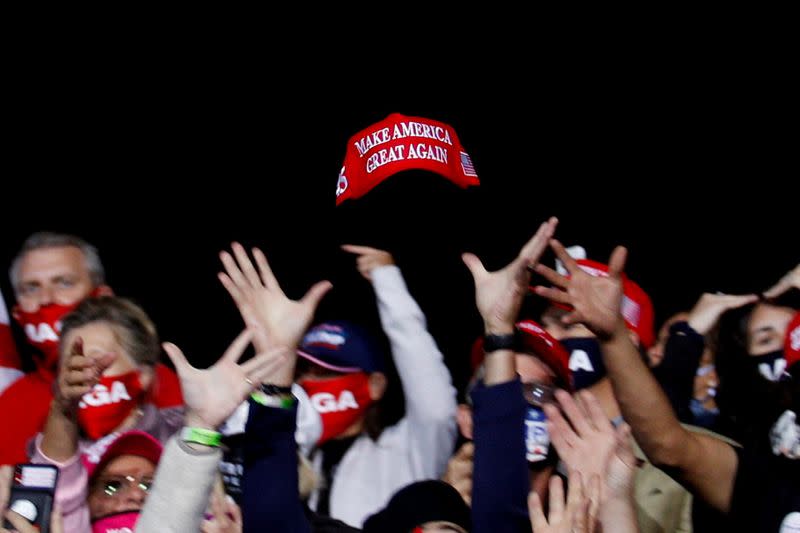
(499,294)
(261,301)
(589,444)
(213,394)
(596,300)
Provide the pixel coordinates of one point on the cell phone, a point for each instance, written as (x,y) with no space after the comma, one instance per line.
(32,492)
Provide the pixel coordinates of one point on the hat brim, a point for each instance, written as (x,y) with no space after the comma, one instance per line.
(323,364)
(136,443)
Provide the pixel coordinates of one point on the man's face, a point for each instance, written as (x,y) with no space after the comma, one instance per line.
(52,275)
(766,328)
(121,486)
(531,369)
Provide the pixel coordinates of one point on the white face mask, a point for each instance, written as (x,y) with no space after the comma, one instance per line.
(309,423)
(785,436)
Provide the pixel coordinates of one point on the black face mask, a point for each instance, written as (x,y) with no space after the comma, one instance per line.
(585,361)
(770,366)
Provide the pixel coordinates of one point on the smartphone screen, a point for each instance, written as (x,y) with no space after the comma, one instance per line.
(32,493)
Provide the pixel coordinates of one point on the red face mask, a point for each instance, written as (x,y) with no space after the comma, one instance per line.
(340,402)
(43,329)
(109,404)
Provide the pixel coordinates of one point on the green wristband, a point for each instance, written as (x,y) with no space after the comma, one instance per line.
(206,437)
(284,402)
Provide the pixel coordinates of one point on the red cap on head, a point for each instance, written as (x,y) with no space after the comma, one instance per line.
(534,340)
(791,349)
(133,442)
(540,343)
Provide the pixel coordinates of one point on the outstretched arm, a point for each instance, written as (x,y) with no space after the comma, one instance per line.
(186,473)
(500,481)
(707,465)
(789,281)
(264,306)
(430,398)
(499,296)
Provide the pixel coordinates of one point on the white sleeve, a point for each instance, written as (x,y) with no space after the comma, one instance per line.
(181,489)
(429,393)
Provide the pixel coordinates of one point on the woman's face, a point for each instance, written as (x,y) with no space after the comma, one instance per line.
(766,328)
(100,338)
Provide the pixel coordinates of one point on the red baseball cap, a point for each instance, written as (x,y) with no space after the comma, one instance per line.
(534,340)
(133,442)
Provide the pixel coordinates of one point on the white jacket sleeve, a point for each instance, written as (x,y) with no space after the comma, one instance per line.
(181,490)
(427,386)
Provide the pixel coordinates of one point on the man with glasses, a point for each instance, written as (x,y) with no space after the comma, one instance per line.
(543,365)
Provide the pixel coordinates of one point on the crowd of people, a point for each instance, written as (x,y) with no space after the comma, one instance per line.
(586,417)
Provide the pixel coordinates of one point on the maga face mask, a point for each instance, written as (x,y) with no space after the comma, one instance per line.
(585,361)
(109,404)
(770,365)
(340,401)
(43,329)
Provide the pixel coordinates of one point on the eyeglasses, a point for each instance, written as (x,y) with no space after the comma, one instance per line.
(116,485)
(536,393)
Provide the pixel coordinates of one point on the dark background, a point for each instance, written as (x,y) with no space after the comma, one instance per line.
(698,180)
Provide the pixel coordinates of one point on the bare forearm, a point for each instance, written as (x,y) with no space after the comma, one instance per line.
(642,401)
(500,367)
(618,516)
(60,438)
(704,464)
(284,376)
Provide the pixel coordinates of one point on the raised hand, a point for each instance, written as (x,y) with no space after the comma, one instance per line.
(212,395)
(79,374)
(595,300)
(710,307)
(499,294)
(263,304)
(368,258)
(591,446)
(574,518)
(790,281)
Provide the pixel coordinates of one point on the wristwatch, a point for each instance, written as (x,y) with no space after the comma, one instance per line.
(493,343)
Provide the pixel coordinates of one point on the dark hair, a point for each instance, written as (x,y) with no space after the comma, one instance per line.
(746,404)
(133,328)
